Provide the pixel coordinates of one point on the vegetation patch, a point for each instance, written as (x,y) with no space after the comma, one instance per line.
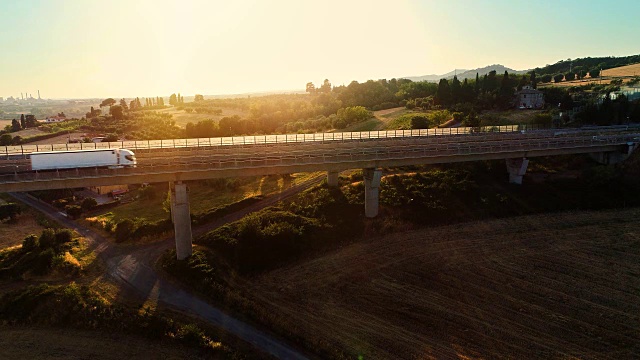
(78,306)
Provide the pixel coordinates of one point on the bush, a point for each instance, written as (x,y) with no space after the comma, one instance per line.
(47,239)
(419,122)
(88,204)
(10,211)
(63,236)
(30,243)
(124,230)
(43,261)
(74,211)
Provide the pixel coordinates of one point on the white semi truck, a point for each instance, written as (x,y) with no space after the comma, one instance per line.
(72,159)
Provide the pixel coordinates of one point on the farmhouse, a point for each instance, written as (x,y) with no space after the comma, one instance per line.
(55,119)
(529,98)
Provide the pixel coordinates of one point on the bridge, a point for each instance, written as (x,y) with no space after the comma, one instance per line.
(179,160)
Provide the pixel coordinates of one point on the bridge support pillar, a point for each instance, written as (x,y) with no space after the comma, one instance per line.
(332,178)
(517,168)
(181,217)
(371,184)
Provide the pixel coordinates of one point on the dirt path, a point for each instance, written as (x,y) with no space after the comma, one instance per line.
(132,267)
(380,115)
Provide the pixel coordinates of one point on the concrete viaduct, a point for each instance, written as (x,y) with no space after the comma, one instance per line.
(370,151)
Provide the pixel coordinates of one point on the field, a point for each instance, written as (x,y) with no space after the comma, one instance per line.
(181,117)
(629,70)
(47,343)
(546,286)
(4,123)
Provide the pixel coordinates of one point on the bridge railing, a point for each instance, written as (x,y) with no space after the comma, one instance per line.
(297,138)
(319,157)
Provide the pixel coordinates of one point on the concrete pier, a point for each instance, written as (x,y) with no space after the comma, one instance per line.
(371,186)
(517,168)
(332,178)
(181,217)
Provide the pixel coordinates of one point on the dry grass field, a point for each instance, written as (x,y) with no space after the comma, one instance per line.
(4,123)
(628,70)
(51,343)
(556,286)
(12,234)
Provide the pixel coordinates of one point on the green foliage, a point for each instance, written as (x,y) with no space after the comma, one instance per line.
(124,230)
(594,73)
(63,236)
(419,122)
(88,203)
(351,115)
(74,211)
(47,239)
(6,139)
(558,78)
(30,243)
(78,306)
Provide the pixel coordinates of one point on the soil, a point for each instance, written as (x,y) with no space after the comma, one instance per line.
(547,286)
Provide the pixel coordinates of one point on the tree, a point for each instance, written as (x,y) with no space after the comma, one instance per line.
(326,86)
(557,78)
(443,95)
(546,78)
(456,90)
(117,112)
(198,97)
(108,102)
(532,80)
(5,139)
(173,100)
(123,103)
(23,122)
(569,76)
(594,73)
(311,89)
(15,125)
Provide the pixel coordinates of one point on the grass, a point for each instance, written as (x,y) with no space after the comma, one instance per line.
(203,197)
(11,234)
(4,123)
(368,125)
(41,342)
(401,120)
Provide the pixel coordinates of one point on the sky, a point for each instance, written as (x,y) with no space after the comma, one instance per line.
(129,48)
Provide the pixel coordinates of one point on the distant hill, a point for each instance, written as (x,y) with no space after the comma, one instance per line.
(466,74)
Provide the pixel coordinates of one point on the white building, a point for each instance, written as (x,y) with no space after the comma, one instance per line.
(530,98)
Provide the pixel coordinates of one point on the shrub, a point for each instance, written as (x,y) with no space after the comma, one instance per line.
(63,236)
(9,211)
(43,261)
(74,211)
(124,230)
(88,204)
(47,239)
(30,243)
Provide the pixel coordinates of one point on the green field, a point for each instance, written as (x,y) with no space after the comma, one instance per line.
(203,197)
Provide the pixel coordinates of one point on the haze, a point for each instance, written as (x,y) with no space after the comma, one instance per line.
(81,49)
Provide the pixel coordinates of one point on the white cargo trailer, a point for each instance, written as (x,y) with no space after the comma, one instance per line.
(113,158)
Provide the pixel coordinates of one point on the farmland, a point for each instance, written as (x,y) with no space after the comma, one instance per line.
(629,70)
(544,286)
(181,117)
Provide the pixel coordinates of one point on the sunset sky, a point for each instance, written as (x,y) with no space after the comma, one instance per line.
(128,48)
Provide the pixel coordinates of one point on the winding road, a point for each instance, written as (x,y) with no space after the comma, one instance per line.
(132,267)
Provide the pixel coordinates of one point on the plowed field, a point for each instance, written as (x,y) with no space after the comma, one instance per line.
(549,286)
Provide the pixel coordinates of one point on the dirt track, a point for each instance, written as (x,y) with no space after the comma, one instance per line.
(547,286)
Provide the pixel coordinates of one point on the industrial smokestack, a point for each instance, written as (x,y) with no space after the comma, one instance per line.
(38,94)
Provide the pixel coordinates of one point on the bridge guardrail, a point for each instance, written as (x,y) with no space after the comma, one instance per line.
(177,164)
(24,150)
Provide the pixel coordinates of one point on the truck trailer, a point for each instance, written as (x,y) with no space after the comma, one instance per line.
(72,159)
